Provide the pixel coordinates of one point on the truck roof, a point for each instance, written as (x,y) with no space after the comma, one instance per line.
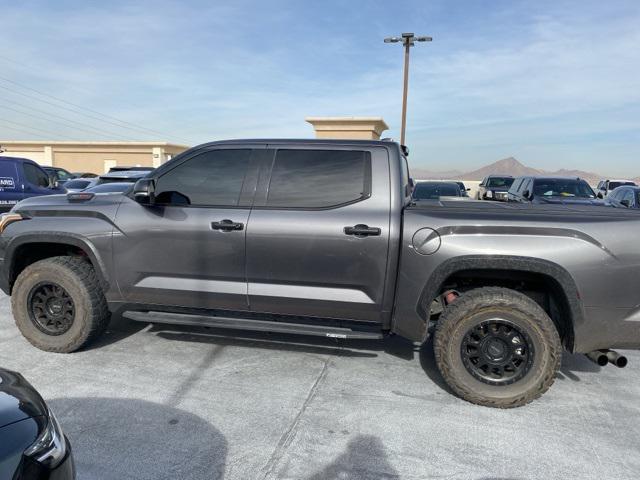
(305,141)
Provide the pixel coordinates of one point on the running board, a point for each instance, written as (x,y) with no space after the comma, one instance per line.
(250,324)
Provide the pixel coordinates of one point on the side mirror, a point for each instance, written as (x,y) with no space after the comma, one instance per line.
(625,202)
(526,194)
(468,189)
(144,191)
(599,195)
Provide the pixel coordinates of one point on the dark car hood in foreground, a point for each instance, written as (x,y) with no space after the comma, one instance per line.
(18,399)
(569,201)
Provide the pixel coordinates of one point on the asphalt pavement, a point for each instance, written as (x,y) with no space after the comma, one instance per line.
(161,402)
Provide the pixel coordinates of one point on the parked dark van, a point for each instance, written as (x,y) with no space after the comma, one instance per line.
(22,178)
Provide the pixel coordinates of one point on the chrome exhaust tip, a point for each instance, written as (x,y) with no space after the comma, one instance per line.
(598,357)
(614,358)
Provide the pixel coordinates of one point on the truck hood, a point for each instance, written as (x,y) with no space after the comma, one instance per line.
(569,201)
(55,202)
(18,399)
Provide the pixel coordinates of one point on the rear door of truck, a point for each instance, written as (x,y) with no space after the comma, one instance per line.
(318,233)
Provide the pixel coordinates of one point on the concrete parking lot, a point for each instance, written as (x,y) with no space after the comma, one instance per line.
(151,402)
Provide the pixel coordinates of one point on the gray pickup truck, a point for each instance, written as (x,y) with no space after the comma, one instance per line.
(320,237)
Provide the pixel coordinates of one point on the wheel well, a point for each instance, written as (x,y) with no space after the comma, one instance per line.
(28,253)
(544,289)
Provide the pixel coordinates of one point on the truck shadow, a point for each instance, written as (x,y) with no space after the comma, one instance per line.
(117,438)
(573,363)
(121,328)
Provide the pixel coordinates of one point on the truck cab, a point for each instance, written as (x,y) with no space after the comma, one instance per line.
(22,178)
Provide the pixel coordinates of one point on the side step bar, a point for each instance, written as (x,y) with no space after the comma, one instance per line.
(250,324)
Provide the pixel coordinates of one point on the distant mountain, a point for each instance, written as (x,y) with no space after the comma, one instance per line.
(506,166)
(591,178)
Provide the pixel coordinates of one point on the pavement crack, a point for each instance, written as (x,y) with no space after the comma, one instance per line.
(188,383)
(287,437)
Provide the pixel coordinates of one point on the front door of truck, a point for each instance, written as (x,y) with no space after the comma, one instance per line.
(318,239)
(188,249)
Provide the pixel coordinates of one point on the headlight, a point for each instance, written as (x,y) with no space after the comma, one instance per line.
(8,218)
(50,447)
(488,194)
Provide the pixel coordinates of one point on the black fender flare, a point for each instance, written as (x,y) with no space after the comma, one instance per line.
(555,272)
(61,238)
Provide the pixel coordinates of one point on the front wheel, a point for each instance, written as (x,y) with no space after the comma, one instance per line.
(496,347)
(58,304)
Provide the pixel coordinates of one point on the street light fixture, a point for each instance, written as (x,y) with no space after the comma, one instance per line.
(408,40)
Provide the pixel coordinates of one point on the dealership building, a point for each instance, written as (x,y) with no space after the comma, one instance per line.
(98,157)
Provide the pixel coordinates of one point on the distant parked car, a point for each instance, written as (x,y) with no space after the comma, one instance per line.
(22,178)
(84,174)
(123,169)
(552,190)
(113,187)
(130,176)
(463,189)
(494,187)
(32,444)
(435,190)
(60,174)
(626,196)
(79,184)
(606,186)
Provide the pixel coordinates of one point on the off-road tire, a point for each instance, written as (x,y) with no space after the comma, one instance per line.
(468,311)
(75,275)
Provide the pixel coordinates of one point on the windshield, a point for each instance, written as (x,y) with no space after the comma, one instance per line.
(562,188)
(428,191)
(79,184)
(613,185)
(60,174)
(499,182)
(110,187)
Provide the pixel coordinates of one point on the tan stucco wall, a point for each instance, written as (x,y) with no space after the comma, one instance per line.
(361,128)
(94,157)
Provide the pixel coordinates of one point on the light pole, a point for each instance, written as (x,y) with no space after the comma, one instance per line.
(408,40)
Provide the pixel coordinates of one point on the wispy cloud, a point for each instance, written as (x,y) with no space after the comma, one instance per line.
(551,84)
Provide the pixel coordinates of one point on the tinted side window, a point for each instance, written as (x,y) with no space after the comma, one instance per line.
(628,195)
(212,178)
(318,178)
(35,176)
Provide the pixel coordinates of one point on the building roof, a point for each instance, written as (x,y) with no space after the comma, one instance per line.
(90,143)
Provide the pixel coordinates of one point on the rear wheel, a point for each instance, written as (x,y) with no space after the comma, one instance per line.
(58,304)
(497,347)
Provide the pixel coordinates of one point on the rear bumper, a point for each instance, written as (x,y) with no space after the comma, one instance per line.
(608,328)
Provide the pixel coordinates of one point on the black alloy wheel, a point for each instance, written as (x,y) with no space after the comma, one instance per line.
(497,352)
(51,308)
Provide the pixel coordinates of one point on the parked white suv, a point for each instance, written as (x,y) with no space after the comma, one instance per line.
(605,186)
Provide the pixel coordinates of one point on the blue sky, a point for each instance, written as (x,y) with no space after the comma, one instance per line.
(554,83)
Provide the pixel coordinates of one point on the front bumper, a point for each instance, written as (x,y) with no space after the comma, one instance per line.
(4,278)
